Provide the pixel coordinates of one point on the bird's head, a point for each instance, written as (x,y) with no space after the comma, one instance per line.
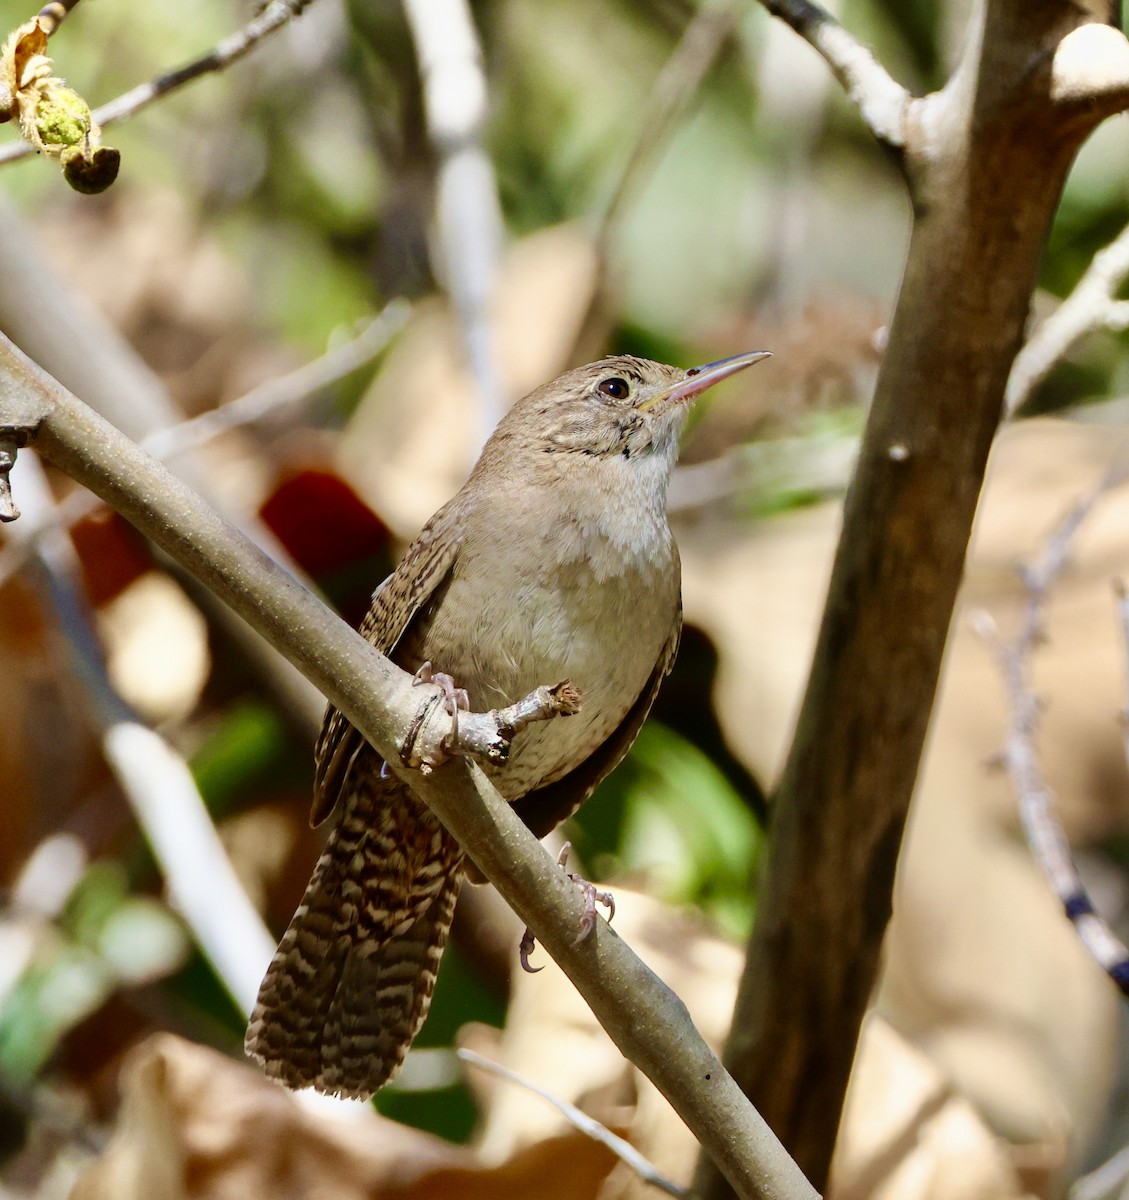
(619,406)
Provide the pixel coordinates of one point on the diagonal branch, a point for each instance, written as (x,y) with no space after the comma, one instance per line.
(880,99)
(674,89)
(154,778)
(1091,306)
(587,1125)
(642,1016)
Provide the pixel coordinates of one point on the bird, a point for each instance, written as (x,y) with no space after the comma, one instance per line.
(555,559)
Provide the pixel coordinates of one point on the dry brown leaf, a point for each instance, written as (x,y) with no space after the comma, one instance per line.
(195,1125)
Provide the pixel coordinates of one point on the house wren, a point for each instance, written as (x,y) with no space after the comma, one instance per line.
(554,560)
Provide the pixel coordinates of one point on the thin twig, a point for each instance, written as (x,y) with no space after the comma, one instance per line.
(276,14)
(284,392)
(1037,813)
(880,99)
(52,15)
(587,1125)
(675,87)
(1089,307)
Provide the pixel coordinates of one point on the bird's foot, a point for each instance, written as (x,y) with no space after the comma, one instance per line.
(592,896)
(591,893)
(486,736)
(428,752)
(455,698)
(525,948)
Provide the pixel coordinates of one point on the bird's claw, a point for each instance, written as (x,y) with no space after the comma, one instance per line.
(454,698)
(525,949)
(592,896)
(591,893)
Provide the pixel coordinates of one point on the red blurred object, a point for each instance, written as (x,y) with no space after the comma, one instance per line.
(324,524)
(113,554)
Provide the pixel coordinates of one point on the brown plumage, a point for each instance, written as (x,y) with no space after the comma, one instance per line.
(554,560)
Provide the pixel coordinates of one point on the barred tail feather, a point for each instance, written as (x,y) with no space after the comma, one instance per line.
(351,981)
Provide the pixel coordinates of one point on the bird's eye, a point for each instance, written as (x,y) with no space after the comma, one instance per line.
(616,388)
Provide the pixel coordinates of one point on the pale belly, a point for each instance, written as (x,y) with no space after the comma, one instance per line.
(605,635)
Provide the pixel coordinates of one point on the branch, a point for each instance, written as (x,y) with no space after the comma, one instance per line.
(642,1016)
(677,84)
(85,352)
(1089,307)
(881,100)
(1034,797)
(986,158)
(587,1125)
(284,392)
(276,14)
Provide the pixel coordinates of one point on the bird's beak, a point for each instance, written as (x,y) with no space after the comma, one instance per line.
(698,379)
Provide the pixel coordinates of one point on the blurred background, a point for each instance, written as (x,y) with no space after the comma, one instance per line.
(361,264)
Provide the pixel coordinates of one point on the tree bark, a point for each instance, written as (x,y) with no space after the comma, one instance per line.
(985,160)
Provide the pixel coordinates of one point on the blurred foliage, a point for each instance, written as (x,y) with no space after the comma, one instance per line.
(670,814)
(104,939)
(290,196)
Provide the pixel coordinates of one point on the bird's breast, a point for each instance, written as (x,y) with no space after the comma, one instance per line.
(576,605)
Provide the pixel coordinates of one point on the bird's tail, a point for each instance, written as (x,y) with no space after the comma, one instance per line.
(351,981)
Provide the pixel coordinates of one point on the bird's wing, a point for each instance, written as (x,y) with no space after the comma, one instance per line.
(544,809)
(421,577)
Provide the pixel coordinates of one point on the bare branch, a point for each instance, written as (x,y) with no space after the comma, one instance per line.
(1037,814)
(276,14)
(881,100)
(1089,307)
(642,1016)
(587,1125)
(286,391)
(677,84)
(986,158)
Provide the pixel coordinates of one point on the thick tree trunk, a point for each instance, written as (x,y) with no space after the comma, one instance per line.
(985,160)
